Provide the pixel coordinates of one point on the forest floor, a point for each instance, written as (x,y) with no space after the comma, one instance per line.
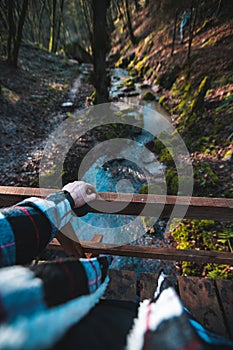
(31,108)
(207,129)
(207,132)
(32,97)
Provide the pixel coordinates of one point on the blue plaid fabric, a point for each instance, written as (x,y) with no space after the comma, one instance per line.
(27,322)
(26,228)
(7,242)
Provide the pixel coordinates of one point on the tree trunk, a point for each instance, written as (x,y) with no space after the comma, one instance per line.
(40,22)
(11,31)
(19,33)
(219,7)
(137,6)
(14,39)
(100,44)
(192,24)
(87,13)
(129,23)
(59,26)
(174,33)
(52,26)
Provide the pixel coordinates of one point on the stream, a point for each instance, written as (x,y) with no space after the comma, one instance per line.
(132,167)
(125,174)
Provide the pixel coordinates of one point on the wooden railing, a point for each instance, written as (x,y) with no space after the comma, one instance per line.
(220,209)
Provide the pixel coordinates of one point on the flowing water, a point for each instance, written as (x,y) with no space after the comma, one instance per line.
(124,175)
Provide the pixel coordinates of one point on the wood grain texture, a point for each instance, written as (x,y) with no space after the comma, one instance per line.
(225,290)
(200,297)
(122,285)
(137,204)
(147,284)
(153,252)
(210,305)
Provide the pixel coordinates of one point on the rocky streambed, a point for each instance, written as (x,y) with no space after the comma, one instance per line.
(24,140)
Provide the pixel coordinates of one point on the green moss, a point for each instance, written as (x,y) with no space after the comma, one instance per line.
(224,104)
(128,82)
(142,66)
(163,102)
(199,95)
(165,157)
(228,193)
(216,271)
(202,235)
(171,181)
(158,146)
(148,96)
(152,189)
(91,99)
(147,222)
(149,73)
(208,42)
(204,175)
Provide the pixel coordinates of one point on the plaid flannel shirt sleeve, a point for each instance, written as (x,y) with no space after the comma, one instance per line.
(57,208)
(26,228)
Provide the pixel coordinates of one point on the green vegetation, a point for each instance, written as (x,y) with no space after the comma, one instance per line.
(163,102)
(203,235)
(205,175)
(128,82)
(150,189)
(198,94)
(148,96)
(165,157)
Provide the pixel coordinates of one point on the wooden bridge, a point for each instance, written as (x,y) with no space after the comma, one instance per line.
(210,301)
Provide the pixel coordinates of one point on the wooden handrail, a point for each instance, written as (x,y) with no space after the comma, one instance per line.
(150,252)
(220,209)
(198,208)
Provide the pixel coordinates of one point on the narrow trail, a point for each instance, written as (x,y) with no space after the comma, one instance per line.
(23,138)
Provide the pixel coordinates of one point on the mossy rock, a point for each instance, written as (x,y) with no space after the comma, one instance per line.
(167,79)
(163,102)
(128,82)
(172,181)
(198,99)
(148,96)
(158,146)
(165,157)
(124,61)
(133,72)
(152,189)
(142,66)
(149,73)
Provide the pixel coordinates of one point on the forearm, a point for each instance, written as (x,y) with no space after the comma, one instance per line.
(26,228)
(41,303)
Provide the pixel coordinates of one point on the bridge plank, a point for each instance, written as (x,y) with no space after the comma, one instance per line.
(199,295)
(225,290)
(200,298)
(147,284)
(122,285)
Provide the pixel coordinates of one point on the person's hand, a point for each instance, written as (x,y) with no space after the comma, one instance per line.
(81,192)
